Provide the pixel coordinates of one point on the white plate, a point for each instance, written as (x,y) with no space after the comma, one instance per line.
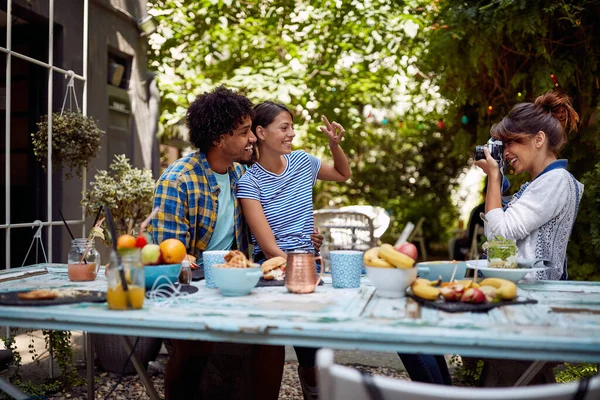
(513,275)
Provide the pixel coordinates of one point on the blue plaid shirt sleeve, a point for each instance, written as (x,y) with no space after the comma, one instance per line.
(171,221)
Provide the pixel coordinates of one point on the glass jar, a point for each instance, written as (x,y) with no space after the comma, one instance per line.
(129,267)
(502,253)
(83,260)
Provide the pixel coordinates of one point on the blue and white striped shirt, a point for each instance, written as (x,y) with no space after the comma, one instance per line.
(286,199)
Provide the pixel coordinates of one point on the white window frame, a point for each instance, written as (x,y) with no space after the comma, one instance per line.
(51,69)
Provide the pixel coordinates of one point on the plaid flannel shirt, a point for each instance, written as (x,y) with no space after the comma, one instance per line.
(187,196)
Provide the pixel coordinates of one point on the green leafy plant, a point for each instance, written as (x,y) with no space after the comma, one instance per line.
(126,190)
(58,344)
(574,372)
(75,141)
(467,370)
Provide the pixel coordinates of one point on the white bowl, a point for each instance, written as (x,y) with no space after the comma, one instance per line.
(510,274)
(391,282)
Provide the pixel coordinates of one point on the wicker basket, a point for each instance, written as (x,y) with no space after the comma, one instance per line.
(111,354)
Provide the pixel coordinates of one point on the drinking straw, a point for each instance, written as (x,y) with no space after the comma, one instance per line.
(73,237)
(66,225)
(111,227)
(453,273)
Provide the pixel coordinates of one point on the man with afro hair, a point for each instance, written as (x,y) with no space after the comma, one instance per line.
(197,205)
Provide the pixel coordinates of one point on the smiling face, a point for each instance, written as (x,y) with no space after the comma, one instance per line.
(277,137)
(238,147)
(526,155)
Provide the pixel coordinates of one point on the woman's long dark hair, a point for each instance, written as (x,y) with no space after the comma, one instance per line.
(551,113)
(266,113)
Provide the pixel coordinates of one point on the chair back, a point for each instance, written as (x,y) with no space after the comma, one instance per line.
(340,383)
(344,230)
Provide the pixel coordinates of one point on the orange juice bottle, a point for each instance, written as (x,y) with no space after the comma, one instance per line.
(132,269)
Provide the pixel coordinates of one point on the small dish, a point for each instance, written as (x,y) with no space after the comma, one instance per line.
(510,274)
(235,281)
(391,282)
(166,273)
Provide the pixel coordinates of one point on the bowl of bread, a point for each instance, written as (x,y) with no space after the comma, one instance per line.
(237,276)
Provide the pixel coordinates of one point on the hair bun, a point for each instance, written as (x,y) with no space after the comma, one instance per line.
(559,104)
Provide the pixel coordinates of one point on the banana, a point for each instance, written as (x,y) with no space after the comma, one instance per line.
(505,289)
(371,258)
(425,291)
(394,257)
(424,281)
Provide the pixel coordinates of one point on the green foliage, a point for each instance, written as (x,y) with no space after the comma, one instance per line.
(126,190)
(75,141)
(575,372)
(58,344)
(333,58)
(467,370)
(411,60)
(499,53)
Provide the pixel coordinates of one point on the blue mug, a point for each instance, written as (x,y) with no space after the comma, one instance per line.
(210,258)
(346,268)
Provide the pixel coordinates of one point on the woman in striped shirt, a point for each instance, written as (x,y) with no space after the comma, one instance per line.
(276,198)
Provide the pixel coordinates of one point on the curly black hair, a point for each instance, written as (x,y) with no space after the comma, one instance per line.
(216,113)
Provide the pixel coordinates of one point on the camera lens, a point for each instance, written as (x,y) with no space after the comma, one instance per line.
(479,153)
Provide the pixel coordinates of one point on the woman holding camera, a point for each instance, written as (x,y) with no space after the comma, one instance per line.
(541,214)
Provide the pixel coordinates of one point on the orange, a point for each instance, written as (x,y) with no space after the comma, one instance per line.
(172,251)
(125,242)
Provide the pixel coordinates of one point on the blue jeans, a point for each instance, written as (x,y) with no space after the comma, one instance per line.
(426,368)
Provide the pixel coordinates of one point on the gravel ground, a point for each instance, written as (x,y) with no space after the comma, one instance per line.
(130,386)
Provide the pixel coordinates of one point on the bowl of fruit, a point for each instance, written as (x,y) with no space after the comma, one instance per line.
(162,262)
(390,270)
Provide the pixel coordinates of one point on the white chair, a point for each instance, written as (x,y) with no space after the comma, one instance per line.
(344,230)
(341,383)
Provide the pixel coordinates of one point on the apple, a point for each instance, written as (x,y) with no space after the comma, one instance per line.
(151,254)
(452,292)
(140,242)
(409,249)
(473,295)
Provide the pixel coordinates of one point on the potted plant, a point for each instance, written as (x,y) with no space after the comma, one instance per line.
(128,192)
(75,141)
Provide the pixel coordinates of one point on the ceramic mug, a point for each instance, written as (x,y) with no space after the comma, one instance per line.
(432,270)
(210,258)
(346,268)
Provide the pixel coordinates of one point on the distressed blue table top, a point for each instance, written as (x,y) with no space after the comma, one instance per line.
(563,326)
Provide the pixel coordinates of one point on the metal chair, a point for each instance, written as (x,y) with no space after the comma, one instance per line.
(340,383)
(344,230)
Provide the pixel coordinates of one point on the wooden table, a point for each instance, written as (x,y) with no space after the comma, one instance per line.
(563,325)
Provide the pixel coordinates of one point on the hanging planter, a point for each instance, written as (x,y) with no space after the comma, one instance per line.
(75,141)
(75,137)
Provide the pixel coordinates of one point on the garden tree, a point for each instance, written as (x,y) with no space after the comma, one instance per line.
(338,58)
(485,56)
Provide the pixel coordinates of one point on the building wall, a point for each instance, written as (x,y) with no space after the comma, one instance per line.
(113,28)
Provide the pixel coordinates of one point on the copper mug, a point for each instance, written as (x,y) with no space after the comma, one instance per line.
(301,272)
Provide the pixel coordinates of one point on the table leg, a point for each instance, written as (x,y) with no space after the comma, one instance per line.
(89,355)
(530,373)
(140,369)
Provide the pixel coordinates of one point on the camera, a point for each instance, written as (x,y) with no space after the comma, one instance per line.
(496,149)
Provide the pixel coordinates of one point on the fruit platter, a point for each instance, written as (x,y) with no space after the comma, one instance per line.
(466,295)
